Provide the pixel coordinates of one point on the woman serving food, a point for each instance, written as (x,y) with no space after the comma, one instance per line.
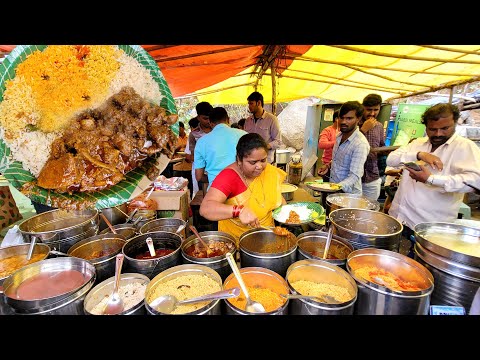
(244,194)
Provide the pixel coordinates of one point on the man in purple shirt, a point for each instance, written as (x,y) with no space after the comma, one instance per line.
(374,132)
(263,123)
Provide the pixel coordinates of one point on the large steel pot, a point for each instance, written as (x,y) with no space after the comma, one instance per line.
(378,297)
(455,283)
(165,224)
(151,267)
(282,156)
(352,201)
(311,245)
(263,248)
(157,286)
(100,250)
(321,272)
(288,190)
(40,252)
(60,229)
(217,263)
(367,228)
(257,277)
(67,303)
(134,305)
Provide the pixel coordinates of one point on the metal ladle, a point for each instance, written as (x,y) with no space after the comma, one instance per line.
(252,306)
(324,298)
(115,303)
(329,240)
(167,303)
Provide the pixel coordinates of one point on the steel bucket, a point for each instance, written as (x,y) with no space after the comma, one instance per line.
(367,228)
(104,289)
(263,248)
(115,215)
(257,277)
(217,263)
(67,303)
(101,251)
(151,267)
(321,272)
(126,230)
(159,287)
(376,299)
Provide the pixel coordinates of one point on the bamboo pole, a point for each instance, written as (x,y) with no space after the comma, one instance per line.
(274,89)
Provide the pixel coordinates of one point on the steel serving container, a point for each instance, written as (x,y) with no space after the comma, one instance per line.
(115,215)
(68,303)
(320,272)
(217,263)
(282,156)
(151,267)
(165,224)
(376,299)
(260,278)
(455,283)
(311,245)
(60,229)
(42,250)
(367,228)
(211,308)
(288,190)
(352,201)
(105,288)
(263,248)
(107,245)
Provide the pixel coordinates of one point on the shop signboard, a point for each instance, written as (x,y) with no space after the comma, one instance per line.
(408,123)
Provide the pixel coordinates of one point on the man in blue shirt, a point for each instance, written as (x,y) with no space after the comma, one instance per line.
(217,149)
(350,151)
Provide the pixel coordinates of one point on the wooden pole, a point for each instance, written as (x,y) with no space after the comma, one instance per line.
(450,97)
(274,89)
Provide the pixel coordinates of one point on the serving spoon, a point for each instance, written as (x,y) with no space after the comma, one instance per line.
(329,240)
(252,306)
(167,303)
(115,303)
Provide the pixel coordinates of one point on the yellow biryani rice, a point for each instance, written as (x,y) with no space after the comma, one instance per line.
(311,288)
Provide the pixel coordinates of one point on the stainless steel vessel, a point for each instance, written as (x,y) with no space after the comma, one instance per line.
(165,224)
(367,228)
(151,267)
(319,272)
(217,263)
(376,299)
(212,308)
(263,248)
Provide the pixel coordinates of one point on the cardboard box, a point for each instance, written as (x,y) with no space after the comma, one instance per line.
(172,203)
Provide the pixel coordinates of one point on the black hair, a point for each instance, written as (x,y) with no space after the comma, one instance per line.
(249,142)
(203,108)
(255,96)
(438,111)
(241,122)
(193,123)
(372,100)
(235,126)
(352,105)
(336,114)
(181,124)
(218,114)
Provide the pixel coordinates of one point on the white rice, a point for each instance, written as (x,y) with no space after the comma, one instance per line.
(131,293)
(32,148)
(132,73)
(284,213)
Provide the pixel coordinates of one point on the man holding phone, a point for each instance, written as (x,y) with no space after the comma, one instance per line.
(435,192)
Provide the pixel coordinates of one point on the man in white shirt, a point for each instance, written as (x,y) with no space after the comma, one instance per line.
(435,192)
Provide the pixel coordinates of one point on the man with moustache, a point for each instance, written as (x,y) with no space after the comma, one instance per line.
(350,150)
(447,160)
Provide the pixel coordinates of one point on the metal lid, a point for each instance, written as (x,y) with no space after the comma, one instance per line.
(457,242)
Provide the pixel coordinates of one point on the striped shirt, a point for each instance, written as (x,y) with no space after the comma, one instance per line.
(348,162)
(376,138)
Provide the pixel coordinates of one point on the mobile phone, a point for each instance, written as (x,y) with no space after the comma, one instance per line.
(413,165)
